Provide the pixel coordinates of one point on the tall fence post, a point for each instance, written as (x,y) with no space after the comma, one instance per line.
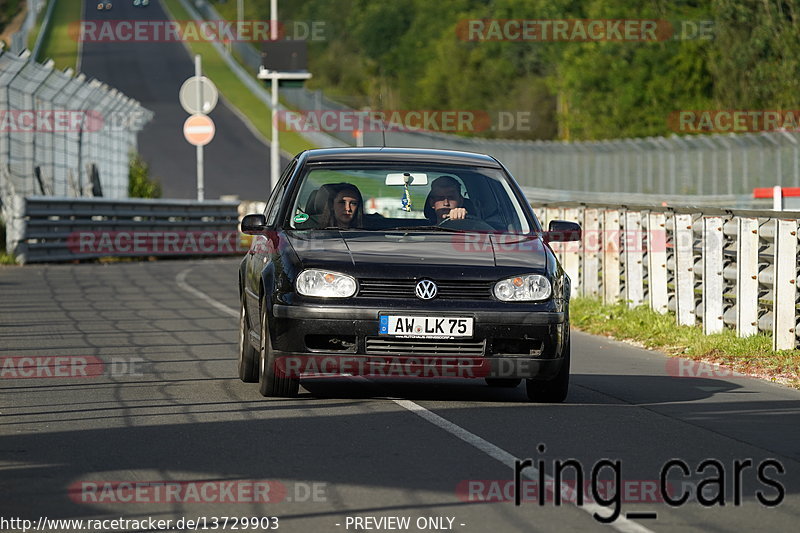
(657,262)
(684,269)
(554,213)
(611,267)
(713,281)
(592,244)
(785,289)
(634,256)
(747,277)
(571,253)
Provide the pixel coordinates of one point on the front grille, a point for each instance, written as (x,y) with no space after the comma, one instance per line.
(394,346)
(447,290)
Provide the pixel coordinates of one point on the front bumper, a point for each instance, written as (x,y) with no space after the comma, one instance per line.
(520,343)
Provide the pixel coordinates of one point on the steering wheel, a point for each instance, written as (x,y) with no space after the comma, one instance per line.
(469,223)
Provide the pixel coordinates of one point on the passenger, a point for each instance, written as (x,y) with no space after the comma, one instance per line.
(445,201)
(344,207)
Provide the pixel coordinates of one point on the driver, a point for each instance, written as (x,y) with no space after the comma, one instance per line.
(445,201)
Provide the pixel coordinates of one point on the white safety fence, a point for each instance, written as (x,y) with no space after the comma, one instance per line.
(64,135)
(723,268)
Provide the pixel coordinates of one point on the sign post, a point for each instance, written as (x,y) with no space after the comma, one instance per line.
(280,61)
(198,95)
(274,145)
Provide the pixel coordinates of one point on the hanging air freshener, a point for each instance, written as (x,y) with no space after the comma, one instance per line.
(406,199)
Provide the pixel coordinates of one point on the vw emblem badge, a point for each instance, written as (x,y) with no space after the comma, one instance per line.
(426,289)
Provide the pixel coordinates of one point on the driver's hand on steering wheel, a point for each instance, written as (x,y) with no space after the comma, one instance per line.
(458,213)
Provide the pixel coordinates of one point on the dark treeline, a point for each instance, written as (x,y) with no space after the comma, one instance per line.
(416,54)
(8,10)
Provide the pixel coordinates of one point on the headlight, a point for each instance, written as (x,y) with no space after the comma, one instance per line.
(325,284)
(528,288)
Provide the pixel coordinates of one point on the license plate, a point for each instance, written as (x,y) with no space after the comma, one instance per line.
(425,326)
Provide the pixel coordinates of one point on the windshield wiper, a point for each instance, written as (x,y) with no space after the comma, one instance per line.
(344,229)
(426,228)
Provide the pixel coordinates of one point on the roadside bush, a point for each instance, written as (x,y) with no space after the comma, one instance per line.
(140,185)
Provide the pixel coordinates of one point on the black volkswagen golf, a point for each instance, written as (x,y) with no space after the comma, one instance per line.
(403,263)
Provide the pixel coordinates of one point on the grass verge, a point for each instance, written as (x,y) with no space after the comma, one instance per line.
(60,43)
(235,92)
(37,27)
(752,355)
(5,258)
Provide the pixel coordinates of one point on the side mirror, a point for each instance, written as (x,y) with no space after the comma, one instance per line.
(563,231)
(254,224)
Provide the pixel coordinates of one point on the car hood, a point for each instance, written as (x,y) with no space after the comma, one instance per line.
(418,248)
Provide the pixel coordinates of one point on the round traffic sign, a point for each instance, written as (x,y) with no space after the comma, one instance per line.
(198,94)
(199,129)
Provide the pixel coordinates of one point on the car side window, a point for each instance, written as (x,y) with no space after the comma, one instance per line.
(276,198)
(272,210)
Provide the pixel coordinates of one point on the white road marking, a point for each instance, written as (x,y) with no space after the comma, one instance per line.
(492,450)
(531,473)
(180,279)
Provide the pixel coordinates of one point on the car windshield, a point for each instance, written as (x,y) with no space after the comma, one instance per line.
(410,198)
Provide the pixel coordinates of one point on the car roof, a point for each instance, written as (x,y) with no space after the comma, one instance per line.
(394,155)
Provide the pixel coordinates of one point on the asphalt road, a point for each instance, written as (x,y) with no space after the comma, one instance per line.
(236,161)
(161,403)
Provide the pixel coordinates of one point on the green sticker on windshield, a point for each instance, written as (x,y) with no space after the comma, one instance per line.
(302,217)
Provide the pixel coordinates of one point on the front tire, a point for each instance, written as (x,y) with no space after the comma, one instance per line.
(554,390)
(273,381)
(248,356)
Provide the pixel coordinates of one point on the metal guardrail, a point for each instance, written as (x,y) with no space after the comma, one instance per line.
(733,201)
(723,268)
(250,56)
(41,228)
